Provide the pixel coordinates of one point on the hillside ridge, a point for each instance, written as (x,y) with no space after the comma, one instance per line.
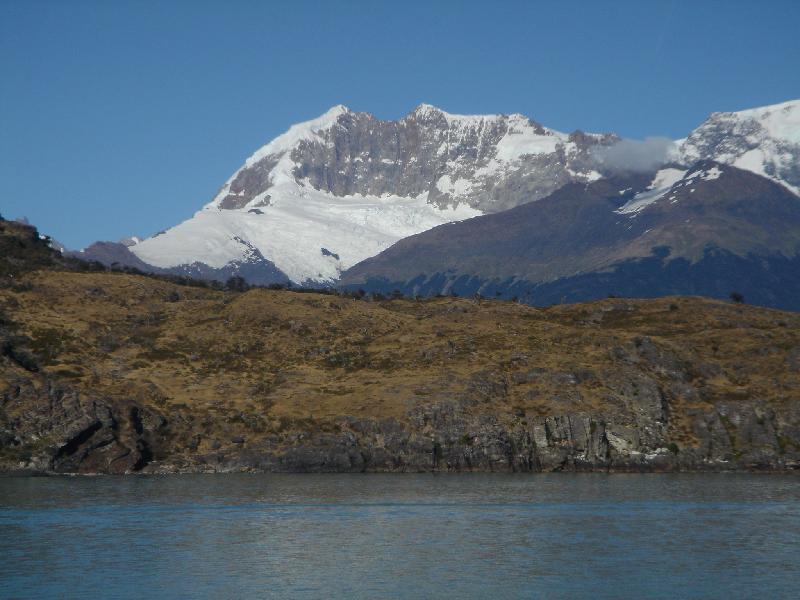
(113,372)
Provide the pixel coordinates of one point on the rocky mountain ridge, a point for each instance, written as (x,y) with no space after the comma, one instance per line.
(764,140)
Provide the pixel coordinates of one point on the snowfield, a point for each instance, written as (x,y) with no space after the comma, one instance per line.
(292,231)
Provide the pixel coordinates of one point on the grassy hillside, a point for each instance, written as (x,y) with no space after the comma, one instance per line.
(226,378)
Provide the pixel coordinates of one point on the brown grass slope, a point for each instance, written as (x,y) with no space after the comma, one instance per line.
(113,372)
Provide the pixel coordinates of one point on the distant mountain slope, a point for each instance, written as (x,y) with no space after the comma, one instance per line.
(252,266)
(711,229)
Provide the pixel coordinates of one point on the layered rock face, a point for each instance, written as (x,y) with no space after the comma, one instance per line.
(91,434)
(51,429)
(489,163)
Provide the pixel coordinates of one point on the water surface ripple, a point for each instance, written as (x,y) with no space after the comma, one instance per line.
(401,536)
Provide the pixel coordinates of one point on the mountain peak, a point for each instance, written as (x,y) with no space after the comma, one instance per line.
(301,131)
(426,110)
(764,140)
(354,185)
(781,121)
(429,111)
(334,112)
(788,105)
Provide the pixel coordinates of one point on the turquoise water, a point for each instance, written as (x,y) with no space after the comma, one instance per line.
(401,536)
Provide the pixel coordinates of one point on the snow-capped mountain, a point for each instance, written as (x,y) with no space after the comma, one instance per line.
(333,191)
(762,140)
(336,190)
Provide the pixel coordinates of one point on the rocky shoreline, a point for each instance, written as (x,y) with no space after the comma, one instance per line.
(67,432)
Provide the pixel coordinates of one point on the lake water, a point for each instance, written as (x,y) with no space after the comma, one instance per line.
(401,536)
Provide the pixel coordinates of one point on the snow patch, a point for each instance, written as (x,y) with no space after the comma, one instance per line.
(459,187)
(521,139)
(297,133)
(781,121)
(711,174)
(661,184)
(282,145)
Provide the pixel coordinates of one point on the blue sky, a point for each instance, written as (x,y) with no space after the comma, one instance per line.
(123,118)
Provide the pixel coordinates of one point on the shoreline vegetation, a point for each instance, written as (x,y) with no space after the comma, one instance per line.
(108,371)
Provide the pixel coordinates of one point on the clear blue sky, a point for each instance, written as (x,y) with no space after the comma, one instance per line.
(121,118)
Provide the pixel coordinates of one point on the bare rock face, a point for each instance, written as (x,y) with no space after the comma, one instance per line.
(50,428)
(641,426)
(60,431)
(448,436)
(453,160)
(490,162)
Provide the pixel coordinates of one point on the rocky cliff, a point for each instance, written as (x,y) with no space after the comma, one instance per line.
(47,428)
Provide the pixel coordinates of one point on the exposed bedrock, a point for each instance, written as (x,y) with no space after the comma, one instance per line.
(642,427)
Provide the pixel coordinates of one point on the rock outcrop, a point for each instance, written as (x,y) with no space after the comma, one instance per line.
(49,428)
(653,419)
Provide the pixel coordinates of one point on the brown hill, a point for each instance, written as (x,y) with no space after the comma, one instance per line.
(112,372)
